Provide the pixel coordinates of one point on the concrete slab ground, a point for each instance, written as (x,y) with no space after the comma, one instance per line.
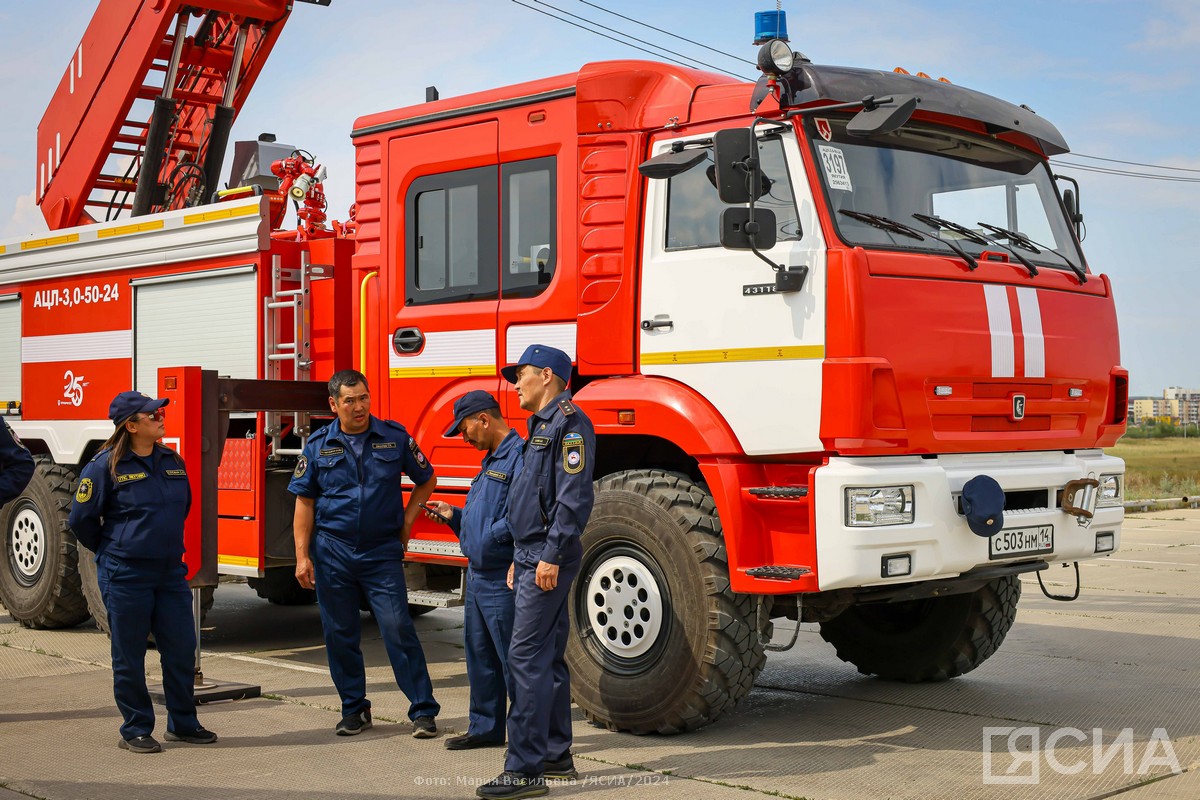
(1099,698)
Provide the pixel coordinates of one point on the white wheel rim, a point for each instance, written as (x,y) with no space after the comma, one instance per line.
(625,607)
(27,543)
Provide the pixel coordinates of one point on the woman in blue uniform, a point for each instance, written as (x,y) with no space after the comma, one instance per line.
(129,510)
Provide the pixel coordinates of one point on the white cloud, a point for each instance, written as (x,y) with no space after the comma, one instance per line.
(24,220)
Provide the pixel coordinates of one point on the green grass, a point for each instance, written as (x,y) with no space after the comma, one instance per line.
(1159,468)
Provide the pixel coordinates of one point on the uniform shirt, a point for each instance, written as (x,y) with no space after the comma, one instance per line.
(551,499)
(140,514)
(481,526)
(359,500)
(16,465)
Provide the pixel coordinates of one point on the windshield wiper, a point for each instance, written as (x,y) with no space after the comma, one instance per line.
(939,224)
(883,223)
(1029,244)
(976,237)
(889,224)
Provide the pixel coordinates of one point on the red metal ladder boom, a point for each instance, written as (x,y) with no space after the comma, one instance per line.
(150,93)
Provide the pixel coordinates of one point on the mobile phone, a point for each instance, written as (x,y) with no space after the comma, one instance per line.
(431,510)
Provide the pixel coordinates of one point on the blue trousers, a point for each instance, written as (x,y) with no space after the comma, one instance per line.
(539,724)
(488,623)
(342,577)
(145,596)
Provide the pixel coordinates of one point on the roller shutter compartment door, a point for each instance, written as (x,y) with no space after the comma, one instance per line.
(10,348)
(209,321)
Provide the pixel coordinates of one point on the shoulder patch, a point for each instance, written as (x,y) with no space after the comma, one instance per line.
(84,492)
(16,439)
(301,467)
(422,462)
(573,455)
(383,445)
(500,476)
(566,407)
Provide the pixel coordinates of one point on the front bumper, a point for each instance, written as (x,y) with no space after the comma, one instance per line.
(938,541)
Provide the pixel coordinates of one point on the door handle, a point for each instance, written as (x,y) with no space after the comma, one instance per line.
(408,340)
(652,324)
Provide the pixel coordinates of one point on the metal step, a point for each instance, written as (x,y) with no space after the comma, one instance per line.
(428,597)
(780,492)
(777,573)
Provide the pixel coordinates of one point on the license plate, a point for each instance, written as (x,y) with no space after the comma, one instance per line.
(1021,542)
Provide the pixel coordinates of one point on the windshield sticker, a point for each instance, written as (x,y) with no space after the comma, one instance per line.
(824,129)
(836,173)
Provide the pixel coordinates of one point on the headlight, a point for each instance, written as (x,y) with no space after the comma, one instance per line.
(776,57)
(879,505)
(1111,491)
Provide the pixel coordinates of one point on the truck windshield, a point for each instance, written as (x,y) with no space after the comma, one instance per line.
(956,176)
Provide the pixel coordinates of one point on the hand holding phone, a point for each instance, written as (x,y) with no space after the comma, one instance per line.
(433,514)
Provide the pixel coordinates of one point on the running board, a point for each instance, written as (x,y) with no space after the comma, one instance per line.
(780,492)
(777,573)
(429,597)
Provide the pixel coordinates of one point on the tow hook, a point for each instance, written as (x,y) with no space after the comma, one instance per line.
(1084,510)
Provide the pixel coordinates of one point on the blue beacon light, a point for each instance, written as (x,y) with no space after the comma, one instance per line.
(770,25)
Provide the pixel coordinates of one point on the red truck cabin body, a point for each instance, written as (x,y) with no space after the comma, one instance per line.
(893,361)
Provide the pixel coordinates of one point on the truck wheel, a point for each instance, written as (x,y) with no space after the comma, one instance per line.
(39,578)
(658,641)
(279,586)
(933,639)
(95,601)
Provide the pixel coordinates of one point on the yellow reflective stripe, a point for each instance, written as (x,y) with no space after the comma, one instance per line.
(124,230)
(2,249)
(237,561)
(736,354)
(70,238)
(442,372)
(225,213)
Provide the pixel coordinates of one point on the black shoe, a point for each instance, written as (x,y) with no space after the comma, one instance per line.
(354,724)
(560,769)
(424,728)
(469,742)
(199,736)
(511,785)
(140,744)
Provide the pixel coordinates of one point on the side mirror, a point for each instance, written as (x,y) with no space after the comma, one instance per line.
(1073,213)
(671,163)
(738,232)
(737,172)
(874,120)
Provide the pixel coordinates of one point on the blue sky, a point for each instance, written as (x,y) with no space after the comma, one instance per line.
(1119,79)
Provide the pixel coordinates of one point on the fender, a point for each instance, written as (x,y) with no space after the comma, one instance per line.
(661,408)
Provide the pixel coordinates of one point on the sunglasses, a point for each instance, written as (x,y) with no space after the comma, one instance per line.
(158,415)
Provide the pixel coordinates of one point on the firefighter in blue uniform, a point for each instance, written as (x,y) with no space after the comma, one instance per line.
(548,507)
(16,465)
(347,487)
(129,509)
(486,541)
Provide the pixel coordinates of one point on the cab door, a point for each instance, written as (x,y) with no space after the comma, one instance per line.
(442,289)
(710,317)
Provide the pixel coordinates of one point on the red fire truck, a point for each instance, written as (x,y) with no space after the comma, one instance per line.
(803,313)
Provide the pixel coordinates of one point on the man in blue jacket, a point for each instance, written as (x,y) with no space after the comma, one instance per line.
(351,528)
(16,465)
(487,543)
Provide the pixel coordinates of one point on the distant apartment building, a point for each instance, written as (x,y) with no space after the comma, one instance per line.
(1177,406)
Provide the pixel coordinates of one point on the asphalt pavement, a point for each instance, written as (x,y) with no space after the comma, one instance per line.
(1092,699)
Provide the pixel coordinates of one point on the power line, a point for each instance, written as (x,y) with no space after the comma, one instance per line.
(669,33)
(1136,163)
(602,26)
(1122,173)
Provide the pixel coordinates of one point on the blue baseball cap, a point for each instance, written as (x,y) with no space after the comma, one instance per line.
(540,355)
(469,404)
(126,404)
(983,504)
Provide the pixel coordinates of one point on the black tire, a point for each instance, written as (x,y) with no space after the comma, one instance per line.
(933,639)
(279,586)
(419,611)
(691,650)
(39,577)
(95,601)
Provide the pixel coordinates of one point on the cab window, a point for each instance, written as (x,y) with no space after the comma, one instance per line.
(528,227)
(452,239)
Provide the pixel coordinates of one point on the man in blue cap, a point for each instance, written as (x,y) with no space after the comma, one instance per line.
(347,487)
(16,465)
(487,543)
(549,505)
